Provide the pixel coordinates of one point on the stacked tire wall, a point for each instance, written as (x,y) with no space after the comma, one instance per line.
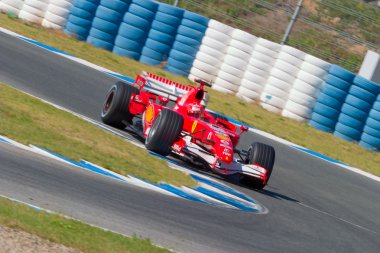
(11,6)
(56,14)
(370,137)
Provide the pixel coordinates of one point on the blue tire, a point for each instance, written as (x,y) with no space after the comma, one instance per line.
(177,71)
(105,26)
(128,44)
(196,18)
(372,140)
(368,146)
(136,21)
(329,101)
(158,46)
(372,123)
(337,82)
(178,64)
(78,12)
(320,119)
(181,57)
(372,131)
(162,27)
(185,48)
(368,85)
(347,133)
(375,114)
(194,25)
(76,31)
(141,12)
(168,19)
(342,73)
(358,103)
(89,6)
(354,112)
(191,33)
(132,32)
(336,93)
(85,23)
(126,53)
(109,15)
(362,93)
(149,61)
(376,105)
(118,5)
(161,37)
(149,5)
(326,111)
(321,126)
(96,33)
(170,10)
(188,41)
(100,43)
(350,121)
(148,52)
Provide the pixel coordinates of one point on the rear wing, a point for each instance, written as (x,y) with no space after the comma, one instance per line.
(164,87)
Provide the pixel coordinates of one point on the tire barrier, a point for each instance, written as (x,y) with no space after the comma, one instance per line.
(11,6)
(370,137)
(56,14)
(162,35)
(211,53)
(309,80)
(361,97)
(232,70)
(134,29)
(189,38)
(80,19)
(33,10)
(106,23)
(333,94)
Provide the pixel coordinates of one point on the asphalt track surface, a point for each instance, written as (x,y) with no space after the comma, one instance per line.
(314,206)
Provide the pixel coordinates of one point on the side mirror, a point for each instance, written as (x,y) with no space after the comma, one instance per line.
(243,128)
(202,82)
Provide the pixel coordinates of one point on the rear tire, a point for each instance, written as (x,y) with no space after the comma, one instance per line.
(165,130)
(115,111)
(264,156)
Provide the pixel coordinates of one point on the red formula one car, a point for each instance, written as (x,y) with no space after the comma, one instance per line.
(185,129)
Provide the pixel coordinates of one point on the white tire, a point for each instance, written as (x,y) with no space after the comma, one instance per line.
(293,51)
(65,4)
(13,6)
(226,84)
(306,88)
(227,77)
(254,70)
(242,46)
(257,56)
(266,51)
(57,10)
(261,65)
(276,92)
(30,17)
(211,69)
(278,83)
(50,25)
(314,70)
(268,44)
(232,70)
(218,26)
(301,98)
(244,37)
(201,74)
(217,35)
(214,44)
(286,77)
(55,19)
(235,61)
(37,4)
(246,92)
(286,67)
(211,51)
(221,89)
(255,78)
(290,59)
(294,116)
(270,108)
(256,87)
(269,99)
(208,59)
(309,78)
(238,53)
(298,109)
(317,62)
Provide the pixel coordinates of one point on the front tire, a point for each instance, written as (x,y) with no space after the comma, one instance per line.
(115,111)
(165,130)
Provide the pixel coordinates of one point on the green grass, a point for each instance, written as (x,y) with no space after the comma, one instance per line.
(299,133)
(30,121)
(70,233)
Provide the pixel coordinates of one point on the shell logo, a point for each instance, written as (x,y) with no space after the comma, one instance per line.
(149,114)
(222,137)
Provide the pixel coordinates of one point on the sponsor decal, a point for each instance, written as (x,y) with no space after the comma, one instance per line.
(209,136)
(223,137)
(149,114)
(194,126)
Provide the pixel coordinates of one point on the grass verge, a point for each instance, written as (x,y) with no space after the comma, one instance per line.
(31,121)
(71,233)
(299,133)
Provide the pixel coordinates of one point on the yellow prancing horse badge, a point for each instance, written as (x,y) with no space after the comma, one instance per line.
(194,126)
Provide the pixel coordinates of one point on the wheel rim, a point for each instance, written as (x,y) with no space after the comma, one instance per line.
(108,103)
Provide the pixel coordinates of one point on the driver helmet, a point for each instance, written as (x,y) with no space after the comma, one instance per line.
(194,109)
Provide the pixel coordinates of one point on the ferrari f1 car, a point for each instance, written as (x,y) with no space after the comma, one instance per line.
(185,129)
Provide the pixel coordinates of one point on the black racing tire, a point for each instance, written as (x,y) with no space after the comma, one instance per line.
(165,129)
(263,155)
(115,110)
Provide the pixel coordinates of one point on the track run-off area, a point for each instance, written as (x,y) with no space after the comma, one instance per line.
(313,205)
